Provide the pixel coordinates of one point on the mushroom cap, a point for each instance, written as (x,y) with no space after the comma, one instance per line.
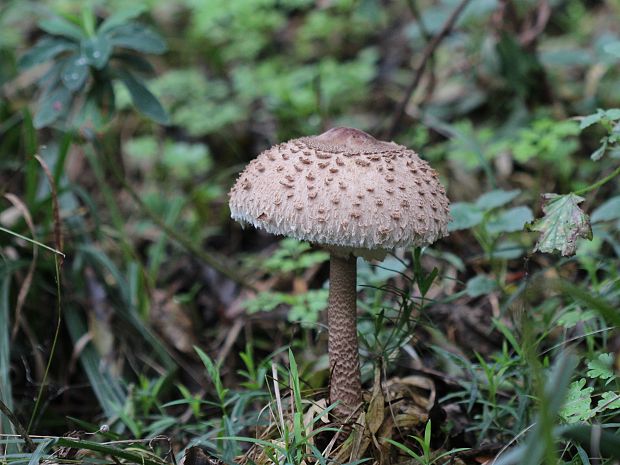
(344,190)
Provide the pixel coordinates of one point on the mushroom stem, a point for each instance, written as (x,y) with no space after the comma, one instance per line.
(344,361)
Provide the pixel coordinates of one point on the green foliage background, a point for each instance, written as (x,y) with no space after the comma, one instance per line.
(520,99)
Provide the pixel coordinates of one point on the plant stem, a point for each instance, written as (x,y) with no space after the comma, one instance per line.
(599,183)
(344,361)
(18,426)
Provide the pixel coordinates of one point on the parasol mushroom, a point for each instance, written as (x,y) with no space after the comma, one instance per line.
(355,196)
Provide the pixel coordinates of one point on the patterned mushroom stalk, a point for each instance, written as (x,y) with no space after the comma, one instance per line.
(357,197)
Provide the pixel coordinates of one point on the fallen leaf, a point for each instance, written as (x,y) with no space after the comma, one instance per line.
(564,222)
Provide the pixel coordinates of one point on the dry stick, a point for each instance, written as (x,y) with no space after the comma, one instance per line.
(419,70)
(18,426)
(180,239)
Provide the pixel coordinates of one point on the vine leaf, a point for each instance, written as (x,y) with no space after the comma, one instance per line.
(563,223)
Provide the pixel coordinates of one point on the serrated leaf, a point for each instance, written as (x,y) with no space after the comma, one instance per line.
(75,72)
(122,16)
(564,222)
(143,99)
(577,406)
(496,198)
(601,367)
(607,211)
(480,285)
(61,27)
(510,220)
(52,106)
(138,37)
(608,401)
(44,50)
(589,120)
(97,50)
(464,215)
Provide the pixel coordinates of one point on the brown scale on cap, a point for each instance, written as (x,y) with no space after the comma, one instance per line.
(326,207)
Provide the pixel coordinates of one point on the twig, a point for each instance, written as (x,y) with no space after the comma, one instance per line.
(599,183)
(419,70)
(18,426)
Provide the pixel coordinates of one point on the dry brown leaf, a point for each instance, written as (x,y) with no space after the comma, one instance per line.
(376,409)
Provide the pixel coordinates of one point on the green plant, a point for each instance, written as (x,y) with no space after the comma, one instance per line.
(491,221)
(564,222)
(427,457)
(292,257)
(78,89)
(296,431)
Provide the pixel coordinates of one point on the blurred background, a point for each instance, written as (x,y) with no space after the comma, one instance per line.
(141,114)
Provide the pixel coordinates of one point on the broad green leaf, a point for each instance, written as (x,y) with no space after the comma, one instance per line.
(464,215)
(589,120)
(52,106)
(510,220)
(608,211)
(602,367)
(52,77)
(135,36)
(44,50)
(121,17)
(97,50)
(577,405)
(496,198)
(613,114)
(480,285)
(143,99)
(609,401)
(564,222)
(572,317)
(61,27)
(75,72)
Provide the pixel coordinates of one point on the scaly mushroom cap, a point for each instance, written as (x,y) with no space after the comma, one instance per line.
(343,189)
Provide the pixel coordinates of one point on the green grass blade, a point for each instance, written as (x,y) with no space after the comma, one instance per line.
(6,394)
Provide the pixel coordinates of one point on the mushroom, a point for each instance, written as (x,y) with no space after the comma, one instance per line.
(355,196)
